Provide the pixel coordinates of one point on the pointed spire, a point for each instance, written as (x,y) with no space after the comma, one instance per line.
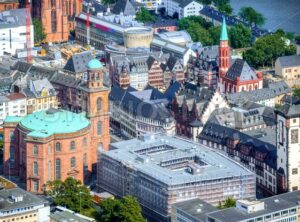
(224,35)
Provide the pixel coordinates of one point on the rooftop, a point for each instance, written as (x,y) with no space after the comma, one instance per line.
(195,208)
(13,18)
(173,160)
(62,214)
(271,205)
(46,123)
(15,198)
(289,61)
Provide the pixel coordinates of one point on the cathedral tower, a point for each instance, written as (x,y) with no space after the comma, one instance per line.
(224,51)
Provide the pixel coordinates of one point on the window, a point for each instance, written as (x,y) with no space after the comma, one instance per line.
(35,150)
(99,104)
(84,142)
(294,171)
(57,147)
(73,162)
(294,120)
(12,157)
(57,169)
(35,186)
(72,145)
(35,168)
(99,128)
(11,135)
(49,170)
(49,149)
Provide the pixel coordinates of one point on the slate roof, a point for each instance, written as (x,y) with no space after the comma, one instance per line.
(124,6)
(78,62)
(289,61)
(289,110)
(147,103)
(13,18)
(241,69)
(183,3)
(219,134)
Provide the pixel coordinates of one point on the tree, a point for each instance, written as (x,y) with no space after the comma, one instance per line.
(253,17)
(1,144)
(229,202)
(297,38)
(144,16)
(267,49)
(39,31)
(240,36)
(70,193)
(126,209)
(224,6)
(108,2)
(296,92)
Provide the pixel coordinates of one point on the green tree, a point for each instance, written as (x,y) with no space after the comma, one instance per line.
(296,92)
(252,16)
(1,144)
(39,31)
(267,49)
(70,193)
(240,36)
(223,6)
(229,202)
(126,209)
(108,2)
(297,38)
(144,16)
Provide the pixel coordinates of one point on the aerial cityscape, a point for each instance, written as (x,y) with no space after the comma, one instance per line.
(149,110)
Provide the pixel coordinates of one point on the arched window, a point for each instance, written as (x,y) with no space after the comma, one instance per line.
(72,145)
(49,149)
(99,128)
(12,157)
(85,163)
(57,147)
(84,142)
(57,169)
(35,150)
(35,168)
(99,104)
(49,170)
(73,162)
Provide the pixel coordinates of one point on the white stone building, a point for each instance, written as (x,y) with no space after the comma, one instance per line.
(182,8)
(288,143)
(13,31)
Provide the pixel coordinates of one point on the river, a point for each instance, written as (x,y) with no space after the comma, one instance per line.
(283,14)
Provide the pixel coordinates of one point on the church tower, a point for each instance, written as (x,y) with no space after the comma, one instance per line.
(224,51)
(96,107)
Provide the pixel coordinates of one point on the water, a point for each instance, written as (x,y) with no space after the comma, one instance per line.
(283,14)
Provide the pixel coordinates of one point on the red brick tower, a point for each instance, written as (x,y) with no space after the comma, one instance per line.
(97,109)
(224,51)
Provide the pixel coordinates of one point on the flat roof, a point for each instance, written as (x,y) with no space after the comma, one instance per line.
(271,205)
(46,123)
(27,199)
(196,208)
(157,155)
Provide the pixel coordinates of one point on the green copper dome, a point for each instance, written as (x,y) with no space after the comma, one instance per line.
(224,35)
(46,123)
(94,64)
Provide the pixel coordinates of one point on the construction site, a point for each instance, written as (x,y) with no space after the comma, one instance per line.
(160,170)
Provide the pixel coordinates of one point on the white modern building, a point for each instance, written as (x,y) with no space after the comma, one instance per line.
(13,31)
(182,8)
(12,105)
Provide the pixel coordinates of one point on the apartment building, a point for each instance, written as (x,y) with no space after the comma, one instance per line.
(182,8)
(13,31)
(13,104)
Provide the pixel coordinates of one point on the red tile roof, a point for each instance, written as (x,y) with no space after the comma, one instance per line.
(16,96)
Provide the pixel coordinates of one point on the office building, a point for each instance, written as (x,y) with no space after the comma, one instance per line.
(160,170)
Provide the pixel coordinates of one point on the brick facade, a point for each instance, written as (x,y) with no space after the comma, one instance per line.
(8,5)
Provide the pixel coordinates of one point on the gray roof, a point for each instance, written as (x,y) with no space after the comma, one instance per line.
(124,6)
(241,69)
(271,205)
(142,154)
(183,3)
(29,199)
(196,208)
(78,62)
(289,110)
(289,61)
(13,18)
(149,103)
(271,91)
(69,216)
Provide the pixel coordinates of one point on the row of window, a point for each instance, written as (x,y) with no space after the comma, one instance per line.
(20,218)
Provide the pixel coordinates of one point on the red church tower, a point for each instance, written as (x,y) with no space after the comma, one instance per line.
(224,51)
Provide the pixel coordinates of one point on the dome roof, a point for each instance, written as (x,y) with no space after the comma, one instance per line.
(94,64)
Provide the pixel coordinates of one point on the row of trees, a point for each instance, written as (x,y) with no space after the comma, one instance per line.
(75,196)
(222,5)
(267,49)
(208,34)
